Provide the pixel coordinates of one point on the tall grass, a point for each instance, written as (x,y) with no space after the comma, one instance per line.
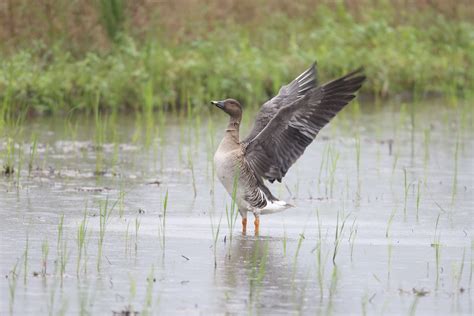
(112,15)
(180,60)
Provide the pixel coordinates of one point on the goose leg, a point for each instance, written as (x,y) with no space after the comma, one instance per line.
(244,225)
(243,213)
(257,225)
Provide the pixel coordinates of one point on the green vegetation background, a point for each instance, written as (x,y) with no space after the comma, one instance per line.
(59,55)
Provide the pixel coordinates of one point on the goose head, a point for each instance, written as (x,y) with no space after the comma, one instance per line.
(230,106)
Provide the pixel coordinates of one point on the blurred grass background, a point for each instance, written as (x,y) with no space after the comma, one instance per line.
(58,55)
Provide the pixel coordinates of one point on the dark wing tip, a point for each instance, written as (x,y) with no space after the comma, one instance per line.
(359,74)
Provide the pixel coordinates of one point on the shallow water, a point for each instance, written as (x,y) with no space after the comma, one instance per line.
(388,259)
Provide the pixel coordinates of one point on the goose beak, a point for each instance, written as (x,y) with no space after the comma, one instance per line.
(219,104)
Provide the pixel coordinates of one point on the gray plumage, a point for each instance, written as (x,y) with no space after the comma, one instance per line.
(294,120)
(283,128)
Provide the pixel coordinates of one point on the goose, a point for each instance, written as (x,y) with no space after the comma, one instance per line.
(283,128)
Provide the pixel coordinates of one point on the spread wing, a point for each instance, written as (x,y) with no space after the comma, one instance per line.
(287,95)
(295,125)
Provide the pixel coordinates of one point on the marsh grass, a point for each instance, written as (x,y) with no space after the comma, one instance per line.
(162,224)
(400,126)
(44,257)
(64,255)
(211,146)
(437,247)
(332,289)
(148,107)
(232,212)
(320,259)
(338,235)
(389,260)
(193,177)
(455,177)
(81,240)
(121,201)
(418,200)
(458,272)
(389,222)
(215,237)
(295,258)
(105,212)
(12,284)
(25,258)
(60,232)
(406,187)
(357,153)
(127,240)
(352,236)
(426,145)
(132,289)
(414,304)
(137,229)
(100,134)
(334,158)
(19,167)
(33,151)
(323,162)
(9,158)
(11,128)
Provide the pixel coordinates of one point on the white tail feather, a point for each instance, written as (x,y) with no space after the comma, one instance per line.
(274,207)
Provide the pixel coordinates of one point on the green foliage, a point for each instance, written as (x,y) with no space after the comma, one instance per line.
(418,53)
(112,13)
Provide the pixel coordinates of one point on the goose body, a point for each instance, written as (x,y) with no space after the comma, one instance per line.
(284,127)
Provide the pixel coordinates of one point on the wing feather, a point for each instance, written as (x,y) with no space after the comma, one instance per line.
(287,95)
(277,146)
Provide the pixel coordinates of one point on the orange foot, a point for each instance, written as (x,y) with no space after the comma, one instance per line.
(244,226)
(257,225)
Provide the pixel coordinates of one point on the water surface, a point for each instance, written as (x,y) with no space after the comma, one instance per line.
(396,185)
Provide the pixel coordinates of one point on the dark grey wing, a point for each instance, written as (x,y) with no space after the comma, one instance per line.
(287,95)
(272,152)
